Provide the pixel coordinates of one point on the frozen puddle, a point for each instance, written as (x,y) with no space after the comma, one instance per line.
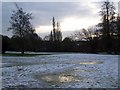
(68,76)
(57,78)
(91,62)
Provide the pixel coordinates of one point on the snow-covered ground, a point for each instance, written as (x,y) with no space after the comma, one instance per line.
(61,71)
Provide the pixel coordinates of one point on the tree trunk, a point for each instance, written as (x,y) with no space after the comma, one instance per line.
(22,52)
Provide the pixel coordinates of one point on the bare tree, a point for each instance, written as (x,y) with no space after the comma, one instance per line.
(85,34)
(54,31)
(21,26)
(58,32)
(47,38)
(107,13)
(118,26)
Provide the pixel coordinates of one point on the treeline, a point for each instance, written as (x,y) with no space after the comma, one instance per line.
(67,45)
(103,37)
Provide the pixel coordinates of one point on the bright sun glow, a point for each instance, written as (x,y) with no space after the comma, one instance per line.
(43,29)
(71,24)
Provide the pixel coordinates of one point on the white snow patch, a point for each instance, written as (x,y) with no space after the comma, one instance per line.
(96,71)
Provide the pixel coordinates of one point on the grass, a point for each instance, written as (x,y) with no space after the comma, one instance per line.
(24,55)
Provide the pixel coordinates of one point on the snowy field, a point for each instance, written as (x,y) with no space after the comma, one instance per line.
(61,71)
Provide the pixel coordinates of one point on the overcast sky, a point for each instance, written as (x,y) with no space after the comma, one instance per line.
(71,15)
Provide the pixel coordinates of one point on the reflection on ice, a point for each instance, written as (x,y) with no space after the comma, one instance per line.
(65,78)
(82,70)
(47,78)
(94,62)
(58,78)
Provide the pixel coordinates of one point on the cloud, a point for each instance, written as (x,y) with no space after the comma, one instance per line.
(0,18)
(44,11)
(119,7)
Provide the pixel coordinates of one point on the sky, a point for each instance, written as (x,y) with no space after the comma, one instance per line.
(71,15)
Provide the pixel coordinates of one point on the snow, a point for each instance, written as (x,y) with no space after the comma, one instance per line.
(61,70)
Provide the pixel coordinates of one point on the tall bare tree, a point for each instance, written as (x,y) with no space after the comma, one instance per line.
(107,13)
(118,26)
(58,32)
(54,30)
